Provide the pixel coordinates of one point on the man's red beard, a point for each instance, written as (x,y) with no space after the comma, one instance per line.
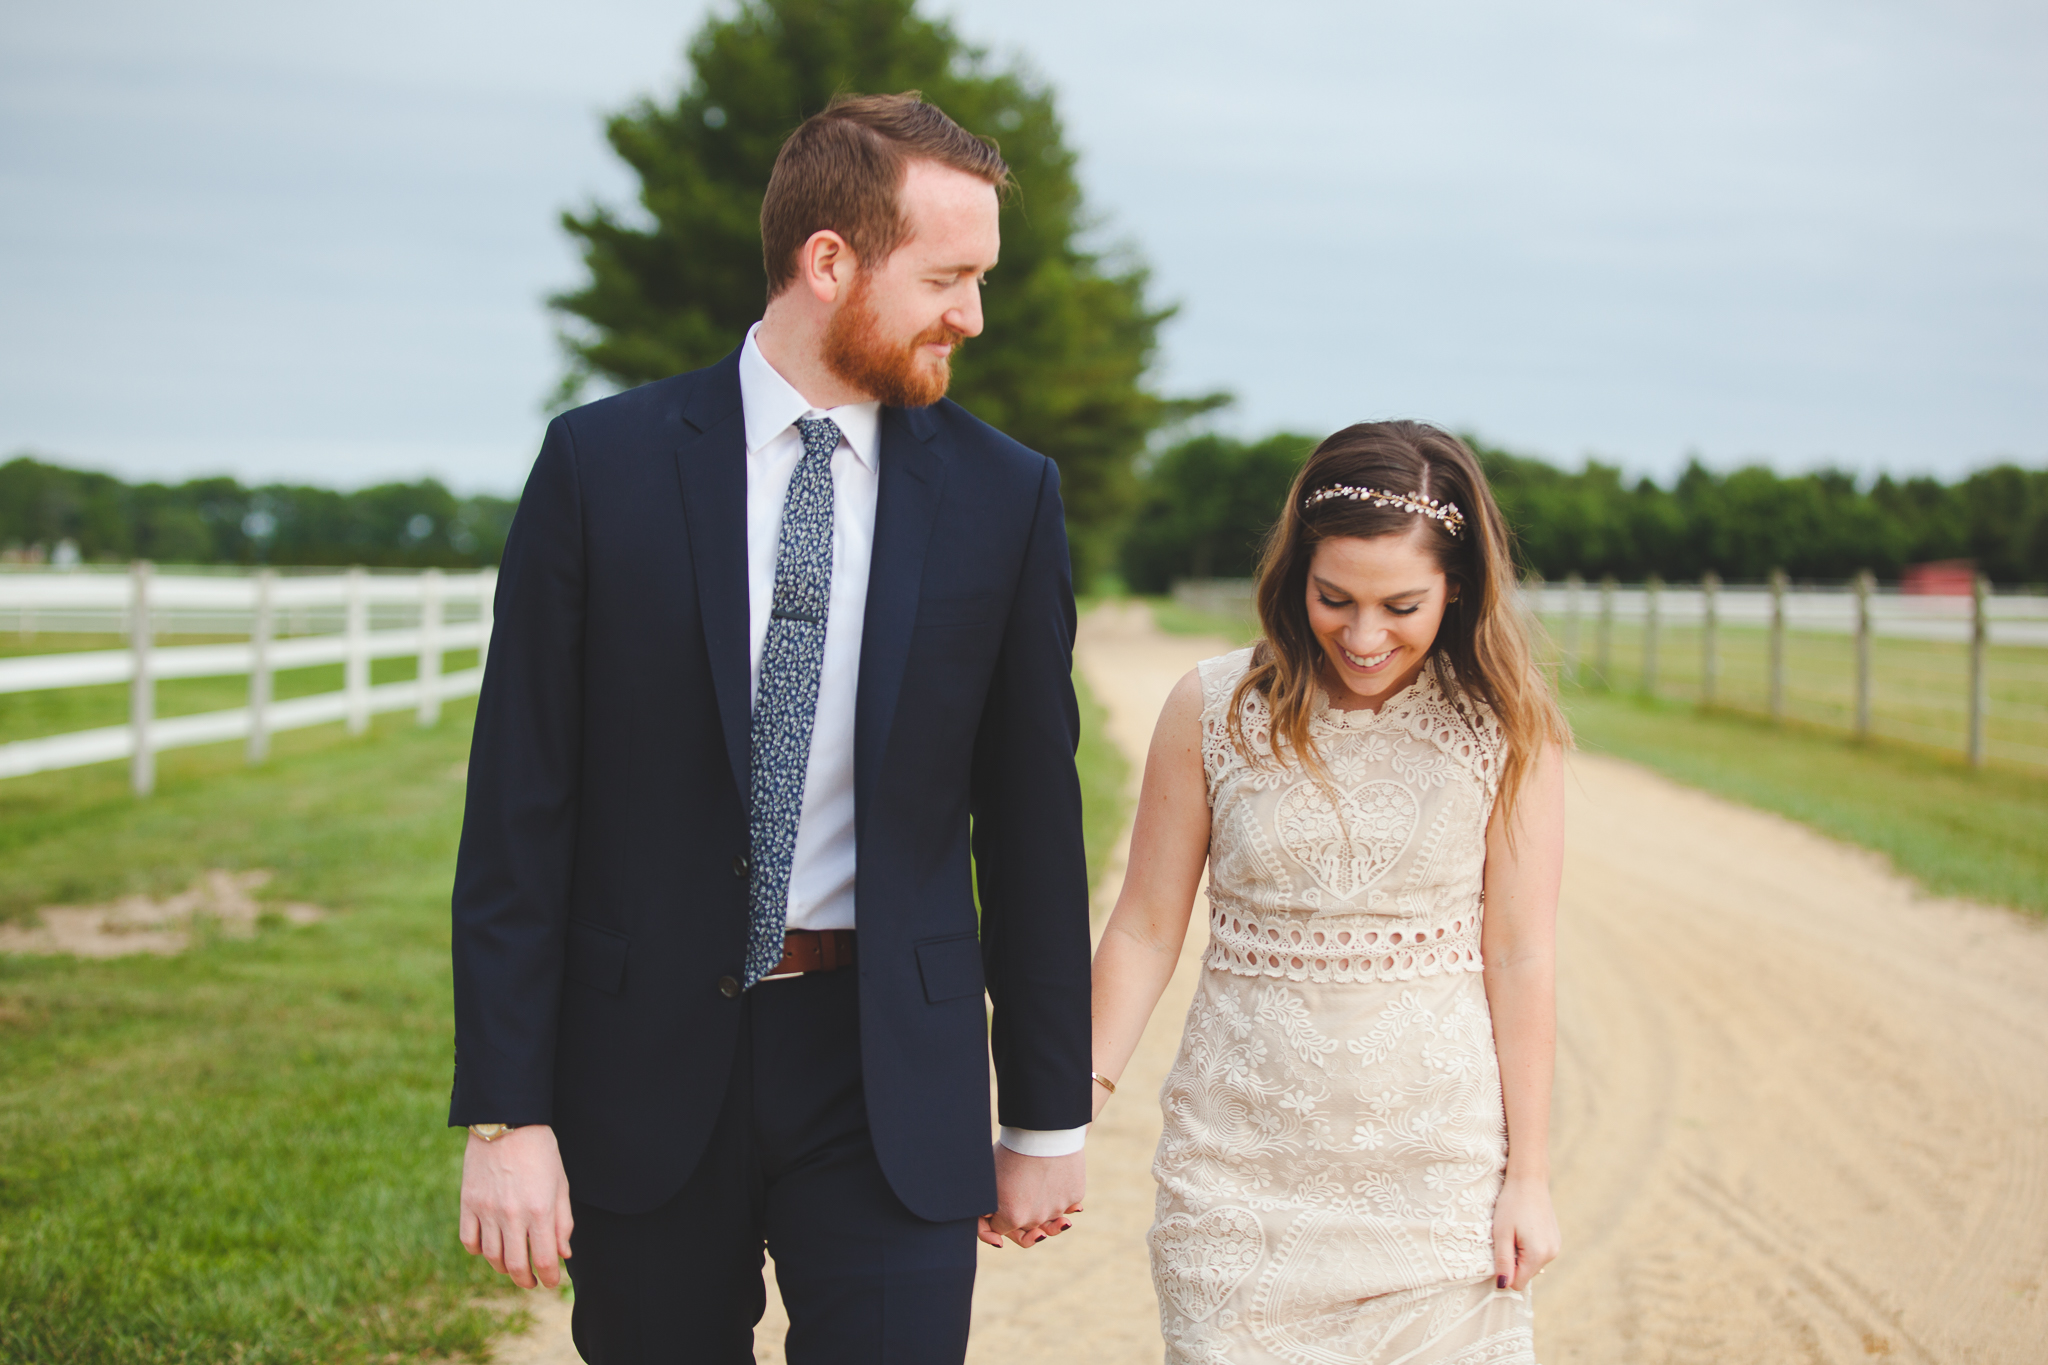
(899,374)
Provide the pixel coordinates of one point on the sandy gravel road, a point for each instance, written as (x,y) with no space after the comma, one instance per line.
(1802,1111)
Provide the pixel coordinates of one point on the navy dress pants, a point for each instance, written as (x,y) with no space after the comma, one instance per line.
(790,1167)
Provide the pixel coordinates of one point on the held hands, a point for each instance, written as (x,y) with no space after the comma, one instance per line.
(1033,1196)
(515,1205)
(1525,1236)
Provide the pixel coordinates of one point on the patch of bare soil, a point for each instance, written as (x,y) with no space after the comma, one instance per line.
(144,924)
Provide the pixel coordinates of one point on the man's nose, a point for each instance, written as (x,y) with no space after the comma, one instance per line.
(965,318)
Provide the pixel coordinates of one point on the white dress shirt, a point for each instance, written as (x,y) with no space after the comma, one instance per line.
(821,870)
(822,866)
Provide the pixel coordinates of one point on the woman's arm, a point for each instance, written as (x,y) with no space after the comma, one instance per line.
(1169,845)
(1519,942)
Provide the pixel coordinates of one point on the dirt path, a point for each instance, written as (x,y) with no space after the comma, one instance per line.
(1802,1112)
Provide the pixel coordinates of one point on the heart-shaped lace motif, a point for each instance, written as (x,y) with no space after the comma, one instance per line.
(1205,1258)
(1347,846)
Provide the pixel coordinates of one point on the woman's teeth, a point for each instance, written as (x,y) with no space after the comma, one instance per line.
(1365,660)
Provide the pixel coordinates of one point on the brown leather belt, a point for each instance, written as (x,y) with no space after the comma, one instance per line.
(813,950)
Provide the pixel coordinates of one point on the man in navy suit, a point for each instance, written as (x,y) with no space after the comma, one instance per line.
(769,636)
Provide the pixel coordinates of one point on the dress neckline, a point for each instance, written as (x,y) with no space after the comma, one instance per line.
(1369,718)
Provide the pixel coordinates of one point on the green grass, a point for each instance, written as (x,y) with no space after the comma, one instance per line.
(1175,619)
(1981,834)
(1103,772)
(240,1153)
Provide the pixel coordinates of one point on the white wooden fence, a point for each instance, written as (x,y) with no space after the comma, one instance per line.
(292,620)
(1585,621)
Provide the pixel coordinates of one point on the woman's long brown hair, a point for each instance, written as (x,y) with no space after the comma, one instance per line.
(1485,634)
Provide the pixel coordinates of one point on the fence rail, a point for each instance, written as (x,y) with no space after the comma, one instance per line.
(1962,672)
(289,622)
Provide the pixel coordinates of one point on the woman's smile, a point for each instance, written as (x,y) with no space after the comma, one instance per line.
(1367,663)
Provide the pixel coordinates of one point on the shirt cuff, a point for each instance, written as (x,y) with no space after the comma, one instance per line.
(1044,1141)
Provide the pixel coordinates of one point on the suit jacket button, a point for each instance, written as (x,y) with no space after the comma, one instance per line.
(728,988)
(740,866)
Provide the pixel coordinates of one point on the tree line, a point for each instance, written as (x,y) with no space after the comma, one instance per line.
(1202,510)
(102,518)
(1205,505)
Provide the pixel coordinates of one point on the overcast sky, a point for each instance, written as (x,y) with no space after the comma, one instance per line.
(311,242)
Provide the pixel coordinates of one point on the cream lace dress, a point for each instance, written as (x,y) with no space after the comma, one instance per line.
(1334,1137)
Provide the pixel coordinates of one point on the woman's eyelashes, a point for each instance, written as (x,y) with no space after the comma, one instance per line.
(1409,610)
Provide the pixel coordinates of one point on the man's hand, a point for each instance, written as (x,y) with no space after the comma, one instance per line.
(1033,1196)
(515,1205)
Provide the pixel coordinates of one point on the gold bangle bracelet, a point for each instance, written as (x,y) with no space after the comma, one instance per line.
(1105,1082)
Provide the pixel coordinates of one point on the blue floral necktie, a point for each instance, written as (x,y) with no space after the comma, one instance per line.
(786,694)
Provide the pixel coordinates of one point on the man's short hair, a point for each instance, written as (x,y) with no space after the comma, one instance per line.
(843,170)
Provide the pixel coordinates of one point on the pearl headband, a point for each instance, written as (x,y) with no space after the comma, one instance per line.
(1445,512)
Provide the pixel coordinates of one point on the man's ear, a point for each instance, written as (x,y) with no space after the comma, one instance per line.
(825,265)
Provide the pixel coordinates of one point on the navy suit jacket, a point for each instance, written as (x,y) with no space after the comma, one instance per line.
(599,895)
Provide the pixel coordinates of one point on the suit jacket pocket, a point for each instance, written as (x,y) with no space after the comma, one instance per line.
(597,956)
(950,967)
(957,611)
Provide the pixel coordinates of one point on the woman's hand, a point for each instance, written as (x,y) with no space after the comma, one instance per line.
(1525,1236)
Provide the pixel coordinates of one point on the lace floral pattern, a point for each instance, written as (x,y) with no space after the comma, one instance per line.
(1334,1139)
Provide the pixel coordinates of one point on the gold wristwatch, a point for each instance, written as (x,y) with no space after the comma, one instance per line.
(490,1132)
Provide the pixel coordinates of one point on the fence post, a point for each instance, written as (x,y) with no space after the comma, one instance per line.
(1710,637)
(486,607)
(1573,587)
(142,681)
(1777,644)
(356,665)
(1654,588)
(1980,695)
(260,632)
(1603,634)
(430,647)
(1864,583)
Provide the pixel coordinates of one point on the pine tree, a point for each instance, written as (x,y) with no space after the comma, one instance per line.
(1062,365)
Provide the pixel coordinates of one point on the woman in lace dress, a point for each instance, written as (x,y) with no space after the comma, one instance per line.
(1354,1163)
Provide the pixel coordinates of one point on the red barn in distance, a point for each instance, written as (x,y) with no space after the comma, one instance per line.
(1939,578)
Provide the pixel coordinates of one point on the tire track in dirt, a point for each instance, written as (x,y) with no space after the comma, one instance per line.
(1854,1085)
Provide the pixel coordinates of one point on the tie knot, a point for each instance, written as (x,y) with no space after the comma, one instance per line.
(820,435)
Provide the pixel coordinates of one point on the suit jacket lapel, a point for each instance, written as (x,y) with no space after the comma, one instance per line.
(913,475)
(711,462)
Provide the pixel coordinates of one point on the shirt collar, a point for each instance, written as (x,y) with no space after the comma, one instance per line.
(771,406)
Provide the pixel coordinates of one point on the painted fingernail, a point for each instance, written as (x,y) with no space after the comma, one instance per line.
(1500,1282)
(1065,1226)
